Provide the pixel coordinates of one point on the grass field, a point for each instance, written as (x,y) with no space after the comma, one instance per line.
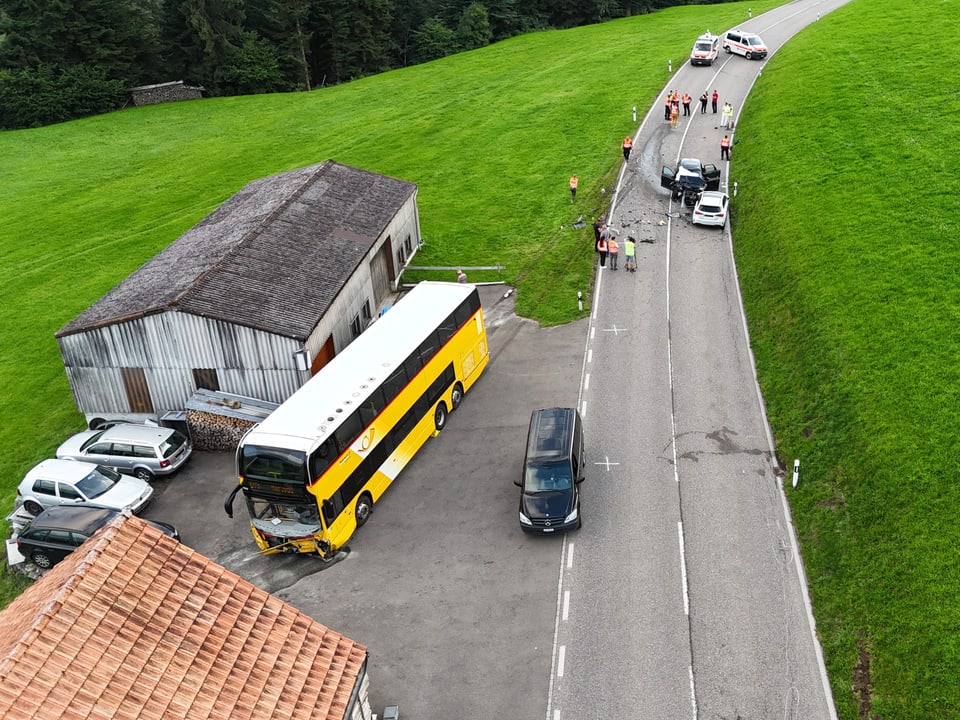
(854,307)
(846,241)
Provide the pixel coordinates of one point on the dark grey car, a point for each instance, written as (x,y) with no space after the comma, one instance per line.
(58,531)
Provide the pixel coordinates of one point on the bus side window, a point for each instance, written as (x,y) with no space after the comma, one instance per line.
(447,329)
(413,364)
(348,431)
(371,407)
(394,384)
(462,314)
(322,457)
(428,348)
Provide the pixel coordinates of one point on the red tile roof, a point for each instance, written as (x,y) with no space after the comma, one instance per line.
(135,625)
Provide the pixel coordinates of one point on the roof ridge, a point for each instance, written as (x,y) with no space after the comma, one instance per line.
(197,285)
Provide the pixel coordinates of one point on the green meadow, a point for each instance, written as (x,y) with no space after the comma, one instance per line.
(845,230)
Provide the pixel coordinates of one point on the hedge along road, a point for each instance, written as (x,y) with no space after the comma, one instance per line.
(685,597)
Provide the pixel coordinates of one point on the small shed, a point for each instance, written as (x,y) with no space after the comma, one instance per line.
(134,624)
(252,300)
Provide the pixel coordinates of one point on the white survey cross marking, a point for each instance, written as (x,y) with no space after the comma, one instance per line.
(606,463)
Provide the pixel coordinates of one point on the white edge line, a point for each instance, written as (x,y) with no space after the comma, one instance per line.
(683,570)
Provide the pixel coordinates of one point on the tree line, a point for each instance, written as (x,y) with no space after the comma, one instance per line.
(64,59)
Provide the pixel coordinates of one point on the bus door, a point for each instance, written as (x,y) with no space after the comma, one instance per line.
(339,524)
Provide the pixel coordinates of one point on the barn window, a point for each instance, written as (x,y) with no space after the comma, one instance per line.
(206,379)
(356,326)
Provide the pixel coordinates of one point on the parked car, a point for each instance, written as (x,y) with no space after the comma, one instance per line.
(58,531)
(54,482)
(143,451)
(689,179)
(711,209)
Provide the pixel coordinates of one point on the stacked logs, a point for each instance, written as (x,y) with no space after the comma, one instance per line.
(217,433)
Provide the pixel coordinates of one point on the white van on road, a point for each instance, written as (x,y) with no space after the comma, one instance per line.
(744,43)
(705,49)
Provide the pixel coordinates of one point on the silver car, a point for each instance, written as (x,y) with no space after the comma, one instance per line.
(54,482)
(143,451)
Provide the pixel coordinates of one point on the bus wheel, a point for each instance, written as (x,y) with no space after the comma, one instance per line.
(456,397)
(364,508)
(440,416)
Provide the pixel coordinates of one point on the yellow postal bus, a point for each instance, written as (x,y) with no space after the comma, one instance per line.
(311,472)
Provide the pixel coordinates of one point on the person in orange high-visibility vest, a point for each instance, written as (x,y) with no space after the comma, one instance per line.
(627,147)
(725,148)
(686,104)
(613,252)
(573,187)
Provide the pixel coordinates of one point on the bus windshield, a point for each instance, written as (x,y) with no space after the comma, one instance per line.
(267,463)
(548,478)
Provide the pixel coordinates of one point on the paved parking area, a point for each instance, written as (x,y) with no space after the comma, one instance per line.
(456,605)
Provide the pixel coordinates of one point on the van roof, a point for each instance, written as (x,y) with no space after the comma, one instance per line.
(551,434)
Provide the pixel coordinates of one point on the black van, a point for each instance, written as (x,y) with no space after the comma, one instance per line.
(552,472)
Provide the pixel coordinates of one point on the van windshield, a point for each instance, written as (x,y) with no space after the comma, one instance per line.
(547,478)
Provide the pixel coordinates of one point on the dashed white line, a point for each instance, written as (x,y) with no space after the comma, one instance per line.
(566,605)
(561,658)
(586,381)
(569,555)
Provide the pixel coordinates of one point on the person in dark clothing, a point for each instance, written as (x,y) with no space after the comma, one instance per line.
(703,103)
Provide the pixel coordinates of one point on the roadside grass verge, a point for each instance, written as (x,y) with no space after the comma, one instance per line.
(846,231)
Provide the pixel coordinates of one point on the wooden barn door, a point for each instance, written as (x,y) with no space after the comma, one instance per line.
(323,357)
(380,273)
(138,394)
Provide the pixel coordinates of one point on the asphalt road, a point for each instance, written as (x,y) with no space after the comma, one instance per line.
(681,596)
(688,599)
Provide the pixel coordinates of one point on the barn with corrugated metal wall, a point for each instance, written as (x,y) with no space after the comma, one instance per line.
(252,300)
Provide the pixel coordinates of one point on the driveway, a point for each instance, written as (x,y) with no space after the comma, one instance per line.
(456,605)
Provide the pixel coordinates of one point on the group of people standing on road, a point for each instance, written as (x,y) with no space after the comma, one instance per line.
(605,240)
(608,247)
(671,113)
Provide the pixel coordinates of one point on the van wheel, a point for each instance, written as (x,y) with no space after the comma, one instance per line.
(749,56)
(364,509)
(727,49)
(456,397)
(440,416)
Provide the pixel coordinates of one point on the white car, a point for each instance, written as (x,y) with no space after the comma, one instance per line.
(54,482)
(711,209)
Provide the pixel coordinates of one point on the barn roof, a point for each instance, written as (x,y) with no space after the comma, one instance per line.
(272,257)
(135,625)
